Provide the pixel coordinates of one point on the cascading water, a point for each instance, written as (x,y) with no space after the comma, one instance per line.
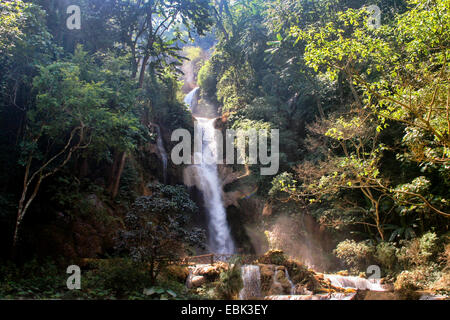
(220,240)
(278,274)
(251,277)
(191,99)
(348,282)
(219,232)
(162,152)
(290,282)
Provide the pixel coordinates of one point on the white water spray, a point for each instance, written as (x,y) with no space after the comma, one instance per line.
(251,277)
(348,282)
(220,240)
(191,99)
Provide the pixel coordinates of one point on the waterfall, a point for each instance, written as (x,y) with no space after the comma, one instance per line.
(354,283)
(191,99)
(251,278)
(219,232)
(276,282)
(162,152)
(290,282)
(220,240)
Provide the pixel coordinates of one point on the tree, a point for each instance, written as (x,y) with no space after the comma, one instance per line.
(70,116)
(400,71)
(156,228)
(150,30)
(348,156)
(12,13)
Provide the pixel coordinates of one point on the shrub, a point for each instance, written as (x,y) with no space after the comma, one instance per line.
(177,273)
(207,80)
(156,228)
(273,257)
(356,255)
(119,276)
(385,255)
(230,283)
(407,283)
(419,251)
(423,277)
(34,280)
(445,257)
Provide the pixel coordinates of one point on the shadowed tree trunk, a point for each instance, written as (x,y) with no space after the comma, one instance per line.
(116,174)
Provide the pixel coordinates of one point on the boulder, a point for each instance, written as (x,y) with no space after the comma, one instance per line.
(198,281)
(302,290)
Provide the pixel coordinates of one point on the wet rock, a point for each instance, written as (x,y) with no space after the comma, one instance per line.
(302,290)
(267,210)
(197,281)
(210,272)
(276,257)
(434,297)
(331,296)
(267,274)
(376,295)
(276,289)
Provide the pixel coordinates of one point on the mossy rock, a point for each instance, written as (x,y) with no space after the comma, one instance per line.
(267,272)
(297,271)
(177,273)
(275,257)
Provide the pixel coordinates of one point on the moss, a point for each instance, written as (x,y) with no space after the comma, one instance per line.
(276,257)
(230,283)
(177,273)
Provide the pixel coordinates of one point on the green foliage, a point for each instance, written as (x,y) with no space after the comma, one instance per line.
(207,80)
(35,279)
(276,257)
(156,228)
(12,16)
(110,279)
(356,255)
(230,282)
(419,251)
(385,255)
(384,74)
(120,277)
(420,278)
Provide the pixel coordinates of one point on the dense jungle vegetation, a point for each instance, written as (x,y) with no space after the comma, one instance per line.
(363,113)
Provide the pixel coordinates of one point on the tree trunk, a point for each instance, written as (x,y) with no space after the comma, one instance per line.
(377,213)
(354,93)
(142,73)
(319,106)
(116,185)
(84,168)
(15,239)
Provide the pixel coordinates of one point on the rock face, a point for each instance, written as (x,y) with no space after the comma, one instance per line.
(86,235)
